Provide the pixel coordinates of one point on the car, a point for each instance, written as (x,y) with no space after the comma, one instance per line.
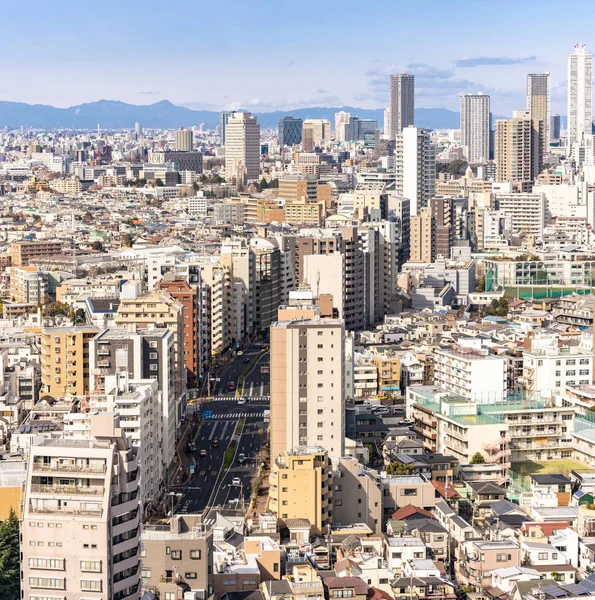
(214,442)
(192,447)
(241,457)
(236,481)
(242,401)
(231,385)
(202,453)
(240,353)
(246,360)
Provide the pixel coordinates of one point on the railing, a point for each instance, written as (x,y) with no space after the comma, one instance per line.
(66,510)
(67,489)
(70,468)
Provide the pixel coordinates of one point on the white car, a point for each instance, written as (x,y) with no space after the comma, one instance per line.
(236,481)
(242,401)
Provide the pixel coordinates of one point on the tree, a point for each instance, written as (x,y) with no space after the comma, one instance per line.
(97,245)
(264,184)
(10,570)
(273,183)
(57,308)
(477,459)
(480,285)
(159,183)
(127,240)
(398,468)
(457,167)
(80,318)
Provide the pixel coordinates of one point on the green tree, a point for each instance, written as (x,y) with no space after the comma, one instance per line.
(159,183)
(80,318)
(457,167)
(274,184)
(477,459)
(480,285)
(264,184)
(10,570)
(57,308)
(398,468)
(97,245)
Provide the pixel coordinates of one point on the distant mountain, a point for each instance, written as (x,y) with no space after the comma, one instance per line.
(110,114)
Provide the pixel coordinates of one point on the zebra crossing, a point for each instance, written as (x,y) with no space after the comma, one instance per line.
(208,523)
(231,398)
(230,416)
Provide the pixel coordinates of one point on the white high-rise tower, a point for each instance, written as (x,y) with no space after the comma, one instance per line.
(475,126)
(580,94)
(242,146)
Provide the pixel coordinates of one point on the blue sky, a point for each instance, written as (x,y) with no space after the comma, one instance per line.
(268,55)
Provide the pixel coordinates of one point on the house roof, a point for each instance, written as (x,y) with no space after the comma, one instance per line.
(548,529)
(440,487)
(410,511)
(359,585)
(376,594)
(485,487)
(503,507)
(550,479)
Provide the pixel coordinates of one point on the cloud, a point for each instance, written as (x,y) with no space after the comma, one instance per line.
(491,60)
(321,91)
(149,93)
(423,71)
(260,105)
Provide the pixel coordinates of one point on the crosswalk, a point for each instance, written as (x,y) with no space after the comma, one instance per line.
(223,398)
(229,416)
(208,523)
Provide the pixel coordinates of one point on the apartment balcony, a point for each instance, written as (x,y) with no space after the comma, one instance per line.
(425,432)
(64,468)
(66,510)
(67,490)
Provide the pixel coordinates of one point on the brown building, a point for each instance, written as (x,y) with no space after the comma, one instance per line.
(177,556)
(23,251)
(179,289)
(296,187)
(443,212)
(423,237)
(312,245)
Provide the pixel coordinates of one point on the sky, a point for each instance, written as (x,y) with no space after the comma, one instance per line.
(266,55)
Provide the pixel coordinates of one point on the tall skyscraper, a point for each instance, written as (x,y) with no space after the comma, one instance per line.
(475,126)
(518,149)
(415,167)
(81,516)
(319,130)
(555,127)
(242,146)
(341,119)
(183,140)
(307,385)
(387,129)
(138,129)
(402,102)
(290,131)
(538,103)
(580,95)
(223,119)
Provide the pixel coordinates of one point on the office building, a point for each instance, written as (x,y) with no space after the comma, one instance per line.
(138,129)
(183,139)
(341,119)
(415,167)
(307,382)
(402,103)
(182,160)
(443,212)
(81,517)
(475,127)
(300,487)
(318,131)
(242,147)
(422,246)
(223,119)
(290,131)
(538,104)
(65,360)
(580,96)
(519,149)
(296,187)
(555,127)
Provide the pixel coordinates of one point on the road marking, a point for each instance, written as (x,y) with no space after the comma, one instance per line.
(261,388)
(213,432)
(224,428)
(251,388)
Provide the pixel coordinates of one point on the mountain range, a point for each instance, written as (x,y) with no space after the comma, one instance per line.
(109,114)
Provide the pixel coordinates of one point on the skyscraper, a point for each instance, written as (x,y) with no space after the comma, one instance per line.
(223,119)
(580,95)
(415,167)
(538,103)
(555,127)
(402,102)
(290,131)
(341,119)
(242,146)
(183,140)
(475,126)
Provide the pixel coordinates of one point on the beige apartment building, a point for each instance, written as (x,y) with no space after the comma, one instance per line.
(28,286)
(23,251)
(180,552)
(296,187)
(305,212)
(81,517)
(68,185)
(423,237)
(65,360)
(307,387)
(300,487)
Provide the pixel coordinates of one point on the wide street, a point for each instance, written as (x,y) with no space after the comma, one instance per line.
(210,485)
(255,383)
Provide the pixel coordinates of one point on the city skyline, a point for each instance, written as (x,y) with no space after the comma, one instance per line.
(445,66)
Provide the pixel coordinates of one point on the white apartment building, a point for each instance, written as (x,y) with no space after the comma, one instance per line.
(527,211)
(470,372)
(475,126)
(580,96)
(242,147)
(307,382)
(415,158)
(197,205)
(497,230)
(81,517)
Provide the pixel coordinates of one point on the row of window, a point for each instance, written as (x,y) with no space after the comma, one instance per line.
(177,554)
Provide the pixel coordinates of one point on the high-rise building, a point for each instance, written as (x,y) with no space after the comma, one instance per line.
(580,95)
(423,237)
(538,104)
(290,131)
(402,103)
(183,139)
(307,382)
(519,149)
(555,127)
(318,130)
(138,129)
(443,211)
(242,147)
(415,167)
(475,127)
(82,516)
(341,118)
(388,127)
(223,119)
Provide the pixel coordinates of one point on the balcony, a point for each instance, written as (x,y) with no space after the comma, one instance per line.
(65,510)
(67,490)
(65,468)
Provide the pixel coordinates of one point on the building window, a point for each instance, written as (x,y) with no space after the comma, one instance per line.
(503,557)
(409,492)
(47,582)
(90,585)
(195,554)
(145,573)
(542,556)
(176,555)
(93,566)
(338,502)
(54,564)
(190,575)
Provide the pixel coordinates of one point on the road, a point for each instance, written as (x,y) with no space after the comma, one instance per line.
(210,485)
(255,383)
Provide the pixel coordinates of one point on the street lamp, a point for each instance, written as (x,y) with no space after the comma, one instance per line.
(172,495)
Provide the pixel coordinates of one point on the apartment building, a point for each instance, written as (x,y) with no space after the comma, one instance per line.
(527,212)
(470,372)
(402,490)
(188,296)
(242,147)
(23,252)
(177,553)
(81,517)
(478,558)
(65,360)
(423,237)
(301,487)
(307,383)
(29,285)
